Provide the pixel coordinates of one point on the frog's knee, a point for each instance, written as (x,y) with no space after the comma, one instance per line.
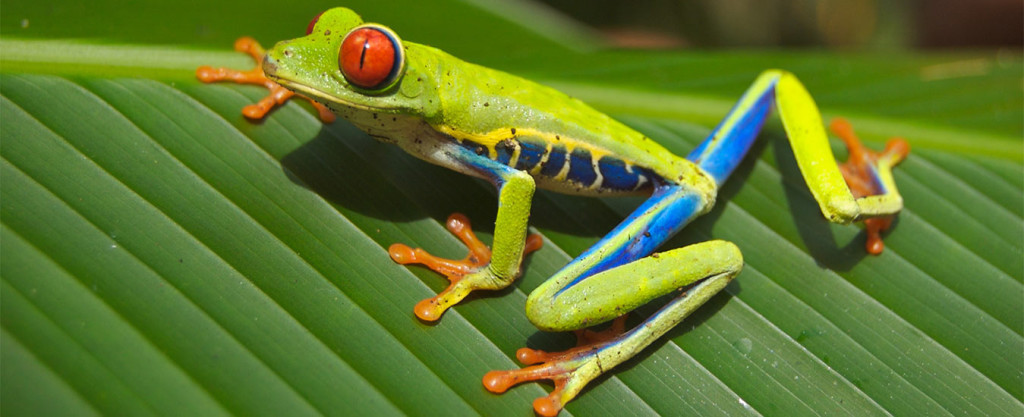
(542,311)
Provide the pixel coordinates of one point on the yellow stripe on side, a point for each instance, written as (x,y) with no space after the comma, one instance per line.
(535,171)
(492,138)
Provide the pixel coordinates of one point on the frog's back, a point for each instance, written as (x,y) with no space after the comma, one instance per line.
(566,145)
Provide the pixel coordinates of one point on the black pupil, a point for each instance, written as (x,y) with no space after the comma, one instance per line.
(362,55)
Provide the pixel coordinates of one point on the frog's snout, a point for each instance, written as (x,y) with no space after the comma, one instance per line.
(269,66)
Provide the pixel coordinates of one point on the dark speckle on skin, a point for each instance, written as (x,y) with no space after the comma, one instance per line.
(327,32)
(513,131)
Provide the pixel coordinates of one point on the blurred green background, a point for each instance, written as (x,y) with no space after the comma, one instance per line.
(846,24)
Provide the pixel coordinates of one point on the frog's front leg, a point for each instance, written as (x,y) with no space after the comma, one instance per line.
(609,281)
(482,268)
(277,96)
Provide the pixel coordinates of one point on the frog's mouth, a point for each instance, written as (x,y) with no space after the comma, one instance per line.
(271,69)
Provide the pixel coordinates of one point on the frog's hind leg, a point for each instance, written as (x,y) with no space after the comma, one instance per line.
(862,190)
(869,173)
(611,279)
(705,267)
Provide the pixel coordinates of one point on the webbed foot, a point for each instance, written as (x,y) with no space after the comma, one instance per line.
(278,95)
(861,171)
(465,275)
(570,370)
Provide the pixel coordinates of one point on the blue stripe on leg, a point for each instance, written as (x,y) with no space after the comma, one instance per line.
(722,151)
(655,221)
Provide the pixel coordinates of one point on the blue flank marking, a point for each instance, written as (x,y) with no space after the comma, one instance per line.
(581,167)
(529,155)
(720,155)
(555,161)
(466,154)
(613,170)
(503,151)
(672,206)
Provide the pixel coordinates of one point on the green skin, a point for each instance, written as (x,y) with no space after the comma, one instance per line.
(440,96)
(440,101)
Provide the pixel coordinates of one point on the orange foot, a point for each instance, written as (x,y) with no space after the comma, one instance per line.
(570,370)
(861,176)
(278,95)
(478,258)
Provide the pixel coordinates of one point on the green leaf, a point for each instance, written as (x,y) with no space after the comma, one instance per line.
(163,255)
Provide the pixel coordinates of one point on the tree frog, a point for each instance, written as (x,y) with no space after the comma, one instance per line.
(520,135)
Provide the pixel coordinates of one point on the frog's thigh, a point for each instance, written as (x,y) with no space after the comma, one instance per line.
(612,293)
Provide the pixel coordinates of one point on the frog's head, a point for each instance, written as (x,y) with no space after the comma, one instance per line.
(354,67)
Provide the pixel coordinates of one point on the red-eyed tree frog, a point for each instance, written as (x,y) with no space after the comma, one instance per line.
(520,135)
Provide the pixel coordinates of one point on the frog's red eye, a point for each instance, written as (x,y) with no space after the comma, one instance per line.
(371,57)
(312,23)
